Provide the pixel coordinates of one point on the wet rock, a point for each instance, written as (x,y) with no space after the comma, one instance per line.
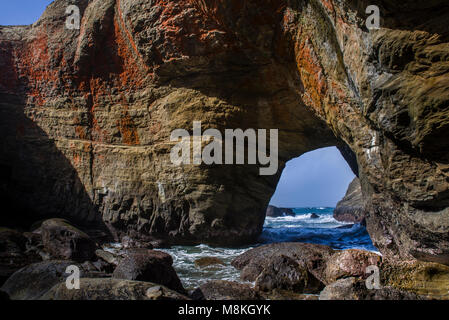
(314,256)
(150,266)
(33,281)
(113,289)
(208,261)
(355,289)
(350,263)
(64,241)
(314,216)
(351,207)
(225,290)
(284,273)
(275,212)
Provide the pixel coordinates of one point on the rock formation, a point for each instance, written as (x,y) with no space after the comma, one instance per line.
(150,266)
(275,212)
(34,280)
(351,207)
(64,241)
(86,115)
(225,290)
(355,289)
(288,270)
(112,289)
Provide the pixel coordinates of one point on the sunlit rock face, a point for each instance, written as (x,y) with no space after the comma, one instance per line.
(87,114)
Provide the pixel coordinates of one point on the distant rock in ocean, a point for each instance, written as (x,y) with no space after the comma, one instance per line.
(350,208)
(275,212)
(314,216)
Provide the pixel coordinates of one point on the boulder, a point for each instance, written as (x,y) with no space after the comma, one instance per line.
(350,263)
(314,216)
(314,256)
(275,212)
(33,281)
(284,273)
(150,266)
(351,207)
(225,290)
(112,289)
(64,241)
(355,289)
(208,261)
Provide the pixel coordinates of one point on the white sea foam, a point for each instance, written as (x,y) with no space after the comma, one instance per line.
(300,227)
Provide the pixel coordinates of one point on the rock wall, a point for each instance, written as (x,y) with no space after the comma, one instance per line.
(87,114)
(351,208)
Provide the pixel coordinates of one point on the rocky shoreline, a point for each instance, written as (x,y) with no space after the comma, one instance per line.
(86,118)
(33,266)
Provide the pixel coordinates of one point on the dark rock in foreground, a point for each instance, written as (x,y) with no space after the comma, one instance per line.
(351,207)
(148,265)
(275,212)
(225,290)
(314,256)
(284,273)
(355,289)
(33,281)
(281,269)
(62,240)
(113,289)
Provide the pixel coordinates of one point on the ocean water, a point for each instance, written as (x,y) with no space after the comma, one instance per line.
(300,228)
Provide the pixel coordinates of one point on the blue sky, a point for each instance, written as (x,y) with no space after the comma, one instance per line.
(18,12)
(318,178)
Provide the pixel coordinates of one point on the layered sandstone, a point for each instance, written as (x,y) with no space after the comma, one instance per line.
(86,115)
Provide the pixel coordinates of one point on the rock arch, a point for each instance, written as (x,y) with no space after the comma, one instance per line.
(112,92)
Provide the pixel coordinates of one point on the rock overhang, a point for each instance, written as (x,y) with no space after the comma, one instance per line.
(105,98)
